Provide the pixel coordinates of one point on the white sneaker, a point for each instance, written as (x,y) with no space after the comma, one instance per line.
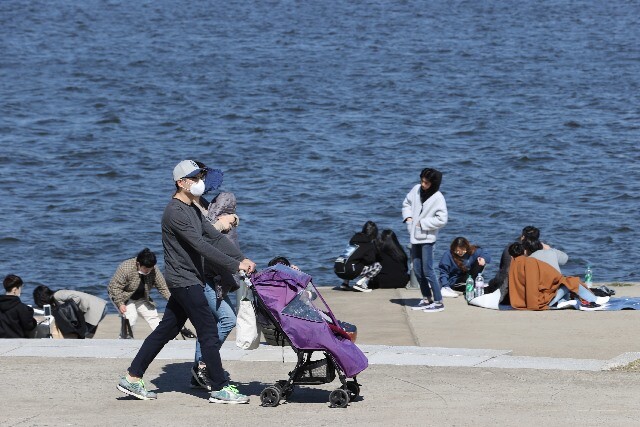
(447,292)
(570,303)
(422,304)
(602,300)
(361,285)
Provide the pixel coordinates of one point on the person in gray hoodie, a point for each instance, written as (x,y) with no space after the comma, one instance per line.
(424,211)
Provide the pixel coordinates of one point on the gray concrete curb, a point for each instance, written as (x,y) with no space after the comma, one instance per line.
(377,354)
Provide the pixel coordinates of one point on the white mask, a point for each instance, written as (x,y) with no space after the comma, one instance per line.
(197,188)
(143,273)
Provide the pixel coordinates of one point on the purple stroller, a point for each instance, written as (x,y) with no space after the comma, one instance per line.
(291,311)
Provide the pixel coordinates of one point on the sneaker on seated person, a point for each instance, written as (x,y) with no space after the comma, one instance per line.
(447,292)
(362,285)
(589,306)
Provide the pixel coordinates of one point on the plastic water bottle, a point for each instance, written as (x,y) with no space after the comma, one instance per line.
(479,285)
(588,276)
(469,291)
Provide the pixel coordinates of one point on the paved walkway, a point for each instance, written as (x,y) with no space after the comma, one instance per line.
(464,366)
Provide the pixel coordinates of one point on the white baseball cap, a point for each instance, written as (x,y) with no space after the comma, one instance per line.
(186,169)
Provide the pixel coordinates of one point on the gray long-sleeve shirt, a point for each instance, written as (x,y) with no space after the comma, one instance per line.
(188,239)
(554,257)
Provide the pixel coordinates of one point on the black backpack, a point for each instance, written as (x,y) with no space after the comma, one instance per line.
(343,265)
(70,319)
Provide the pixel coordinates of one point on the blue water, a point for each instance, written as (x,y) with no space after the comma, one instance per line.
(322,115)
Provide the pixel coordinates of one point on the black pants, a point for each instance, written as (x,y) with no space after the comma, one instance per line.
(184,303)
(473,272)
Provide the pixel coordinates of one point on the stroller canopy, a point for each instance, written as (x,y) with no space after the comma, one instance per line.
(304,317)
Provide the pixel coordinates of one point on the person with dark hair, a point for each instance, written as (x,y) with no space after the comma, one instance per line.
(501,279)
(281,260)
(461,261)
(94,309)
(394,262)
(130,288)
(515,250)
(358,261)
(16,318)
(189,240)
(424,210)
(530,232)
(536,285)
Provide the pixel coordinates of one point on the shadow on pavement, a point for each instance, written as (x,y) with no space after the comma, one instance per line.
(408,302)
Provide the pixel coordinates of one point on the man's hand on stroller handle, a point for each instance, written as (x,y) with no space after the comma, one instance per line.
(247,266)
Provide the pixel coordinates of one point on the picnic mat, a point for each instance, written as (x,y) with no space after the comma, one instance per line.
(491,301)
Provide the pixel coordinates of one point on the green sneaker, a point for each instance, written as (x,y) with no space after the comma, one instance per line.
(137,389)
(228,394)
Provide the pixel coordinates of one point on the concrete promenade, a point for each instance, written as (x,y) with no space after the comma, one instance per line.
(463,366)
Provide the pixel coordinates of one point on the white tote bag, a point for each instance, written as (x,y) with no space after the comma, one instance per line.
(247,333)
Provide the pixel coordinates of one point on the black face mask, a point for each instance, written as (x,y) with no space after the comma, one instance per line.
(425,194)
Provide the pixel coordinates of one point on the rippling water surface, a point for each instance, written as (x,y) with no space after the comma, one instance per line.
(322,115)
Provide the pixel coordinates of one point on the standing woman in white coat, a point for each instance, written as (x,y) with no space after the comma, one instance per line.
(424,210)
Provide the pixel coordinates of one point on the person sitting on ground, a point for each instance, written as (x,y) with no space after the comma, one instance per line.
(93,309)
(358,261)
(535,285)
(501,280)
(538,250)
(394,262)
(16,318)
(461,261)
(130,288)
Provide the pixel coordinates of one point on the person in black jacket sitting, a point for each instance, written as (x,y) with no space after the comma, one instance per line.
(16,318)
(358,261)
(394,261)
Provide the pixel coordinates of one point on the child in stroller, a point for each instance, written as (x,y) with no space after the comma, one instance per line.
(288,304)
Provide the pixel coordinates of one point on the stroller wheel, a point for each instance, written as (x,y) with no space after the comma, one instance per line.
(285,389)
(270,396)
(353,389)
(339,398)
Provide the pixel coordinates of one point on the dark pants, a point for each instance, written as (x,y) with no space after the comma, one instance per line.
(473,272)
(185,303)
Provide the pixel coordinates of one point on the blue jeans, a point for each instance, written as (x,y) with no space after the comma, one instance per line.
(563,294)
(184,303)
(422,259)
(224,314)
